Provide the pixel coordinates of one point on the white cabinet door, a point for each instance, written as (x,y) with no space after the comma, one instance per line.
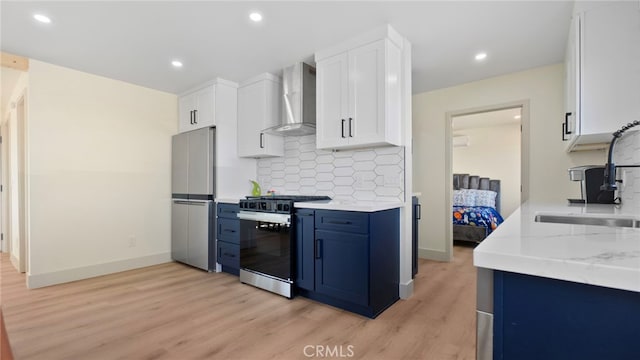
(610,67)
(572,78)
(197,109)
(332,89)
(205,114)
(366,121)
(359,97)
(259,107)
(186,105)
(606,90)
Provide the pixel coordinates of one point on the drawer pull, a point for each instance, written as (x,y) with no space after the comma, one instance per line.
(339,222)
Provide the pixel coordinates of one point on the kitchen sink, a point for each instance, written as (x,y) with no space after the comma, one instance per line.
(591,219)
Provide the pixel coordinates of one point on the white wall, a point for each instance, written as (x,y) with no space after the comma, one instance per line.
(493,152)
(99,173)
(548,162)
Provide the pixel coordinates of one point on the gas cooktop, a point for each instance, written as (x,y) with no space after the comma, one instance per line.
(282,204)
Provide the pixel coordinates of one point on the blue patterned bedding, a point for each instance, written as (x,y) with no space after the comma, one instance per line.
(483,216)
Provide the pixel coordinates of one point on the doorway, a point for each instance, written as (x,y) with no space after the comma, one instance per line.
(489,142)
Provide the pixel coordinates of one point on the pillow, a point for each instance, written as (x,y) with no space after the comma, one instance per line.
(486,198)
(473,197)
(464,197)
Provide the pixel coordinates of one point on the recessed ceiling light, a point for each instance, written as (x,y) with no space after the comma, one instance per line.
(42,18)
(517,117)
(255,16)
(176,63)
(481,56)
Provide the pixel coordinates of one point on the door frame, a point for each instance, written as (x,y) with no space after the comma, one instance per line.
(22,186)
(524,158)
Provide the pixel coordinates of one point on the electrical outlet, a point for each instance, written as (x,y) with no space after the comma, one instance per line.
(132,241)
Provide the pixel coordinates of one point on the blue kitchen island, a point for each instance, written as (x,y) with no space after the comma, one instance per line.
(560,291)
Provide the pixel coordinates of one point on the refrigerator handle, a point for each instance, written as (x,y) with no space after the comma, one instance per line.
(192,202)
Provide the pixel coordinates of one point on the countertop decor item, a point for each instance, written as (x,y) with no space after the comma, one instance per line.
(256,191)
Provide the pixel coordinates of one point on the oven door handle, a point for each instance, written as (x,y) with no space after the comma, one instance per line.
(265,217)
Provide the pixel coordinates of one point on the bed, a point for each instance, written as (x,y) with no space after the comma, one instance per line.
(476,207)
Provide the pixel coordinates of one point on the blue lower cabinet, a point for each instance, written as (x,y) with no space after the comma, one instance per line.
(305,249)
(229,257)
(353,256)
(541,318)
(342,266)
(228,238)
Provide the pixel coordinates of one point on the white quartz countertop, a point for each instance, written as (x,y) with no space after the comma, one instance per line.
(597,255)
(350,205)
(229,200)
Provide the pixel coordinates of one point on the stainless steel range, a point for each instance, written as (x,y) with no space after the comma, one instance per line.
(267,241)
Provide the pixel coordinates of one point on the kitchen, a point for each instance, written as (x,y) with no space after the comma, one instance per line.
(104,172)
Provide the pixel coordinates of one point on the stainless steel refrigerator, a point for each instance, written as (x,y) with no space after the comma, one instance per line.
(193,194)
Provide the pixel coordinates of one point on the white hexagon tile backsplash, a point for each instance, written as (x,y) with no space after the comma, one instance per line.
(363,174)
(627,152)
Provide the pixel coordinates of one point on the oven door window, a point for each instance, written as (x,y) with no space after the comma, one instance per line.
(266,248)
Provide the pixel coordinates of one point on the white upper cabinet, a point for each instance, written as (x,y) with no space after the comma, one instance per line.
(359,96)
(196,109)
(603,72)
(259,108)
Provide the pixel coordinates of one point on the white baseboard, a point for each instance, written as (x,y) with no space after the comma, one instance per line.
(406,290)
(15,262)
(86,272)
(437,255)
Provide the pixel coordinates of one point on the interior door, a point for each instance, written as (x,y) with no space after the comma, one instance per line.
(179,230)
(198,249)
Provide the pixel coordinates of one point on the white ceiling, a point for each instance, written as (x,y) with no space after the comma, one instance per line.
(136,41)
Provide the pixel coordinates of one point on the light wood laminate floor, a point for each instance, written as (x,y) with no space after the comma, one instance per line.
(172,311)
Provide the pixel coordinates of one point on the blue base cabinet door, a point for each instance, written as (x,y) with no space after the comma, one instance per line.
(342,263)
(305,249)
(541,318)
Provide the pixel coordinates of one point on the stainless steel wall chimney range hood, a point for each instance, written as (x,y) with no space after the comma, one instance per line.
(299,102)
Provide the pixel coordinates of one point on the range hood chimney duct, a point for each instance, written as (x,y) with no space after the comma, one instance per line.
(298,102)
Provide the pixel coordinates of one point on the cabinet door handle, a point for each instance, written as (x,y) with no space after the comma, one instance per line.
(342,128)
(195,116)
(261,140)
(418,211)
(564,131)
(191,117)
(318,249)
(566,124)
(350,122)
(228,230)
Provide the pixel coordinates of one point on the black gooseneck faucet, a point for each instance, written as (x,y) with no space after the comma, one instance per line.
(609,183)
